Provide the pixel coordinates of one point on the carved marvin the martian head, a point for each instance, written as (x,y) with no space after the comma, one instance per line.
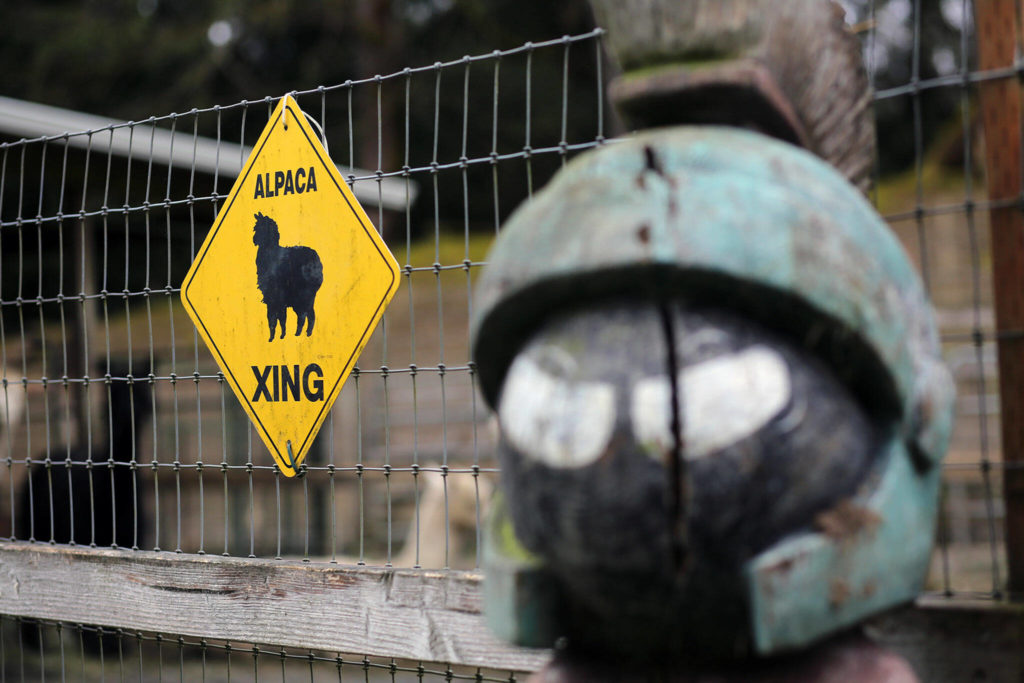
(721,402)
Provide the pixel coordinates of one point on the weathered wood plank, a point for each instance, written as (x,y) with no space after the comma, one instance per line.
(430,616)
(410,614)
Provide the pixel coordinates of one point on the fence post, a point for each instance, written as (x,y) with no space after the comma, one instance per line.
(1001,110)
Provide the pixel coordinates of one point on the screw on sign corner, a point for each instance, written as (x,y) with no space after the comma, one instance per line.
(297,471)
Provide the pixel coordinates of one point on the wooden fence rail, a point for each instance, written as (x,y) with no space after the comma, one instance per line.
(430,616)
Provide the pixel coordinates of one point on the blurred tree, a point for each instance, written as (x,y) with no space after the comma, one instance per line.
(133,59)
(908,41)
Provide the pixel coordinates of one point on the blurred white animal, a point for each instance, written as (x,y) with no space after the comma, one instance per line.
(12,408)
(446,530)
(456,503)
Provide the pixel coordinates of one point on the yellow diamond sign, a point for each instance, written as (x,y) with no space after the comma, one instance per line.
(289,284)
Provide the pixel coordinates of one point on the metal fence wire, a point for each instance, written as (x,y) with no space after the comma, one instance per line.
(97,235)
(119,430)
(65,653)
(921,62)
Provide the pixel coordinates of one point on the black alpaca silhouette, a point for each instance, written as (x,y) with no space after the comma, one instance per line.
(99,504)
(286,276)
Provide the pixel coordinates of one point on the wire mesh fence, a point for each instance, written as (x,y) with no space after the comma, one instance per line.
(97,236)
(69,652)
(922,64)
(119,430)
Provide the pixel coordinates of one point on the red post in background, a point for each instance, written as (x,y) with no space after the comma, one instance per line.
(1000,101)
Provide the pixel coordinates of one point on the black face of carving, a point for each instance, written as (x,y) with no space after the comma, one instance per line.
(635,539)
(288,277)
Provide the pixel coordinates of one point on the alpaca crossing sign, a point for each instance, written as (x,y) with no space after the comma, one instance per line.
(289,284)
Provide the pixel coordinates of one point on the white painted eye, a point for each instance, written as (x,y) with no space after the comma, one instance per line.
(650,410)
(723,400)
(558,422)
